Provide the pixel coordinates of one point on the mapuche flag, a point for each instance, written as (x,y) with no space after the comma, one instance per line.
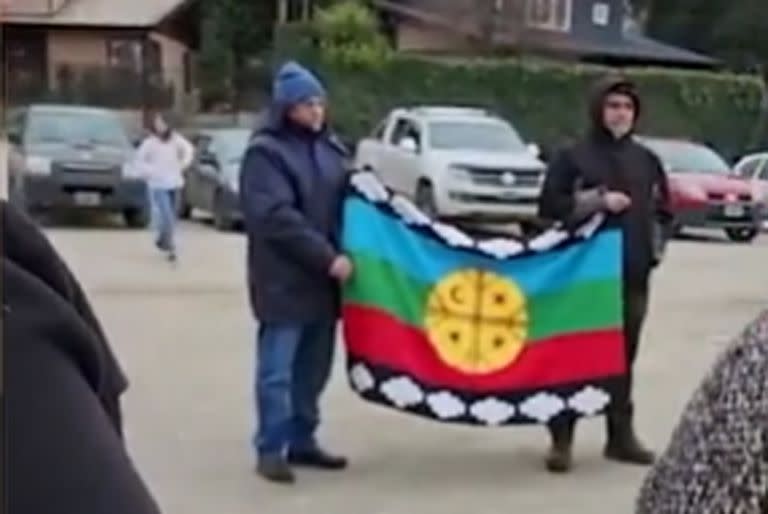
(488,332)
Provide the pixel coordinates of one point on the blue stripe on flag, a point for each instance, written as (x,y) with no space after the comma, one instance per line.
(372,232)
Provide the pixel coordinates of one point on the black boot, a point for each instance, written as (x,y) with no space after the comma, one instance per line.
(623,444)
(316,458)
(275,469)
(560,456)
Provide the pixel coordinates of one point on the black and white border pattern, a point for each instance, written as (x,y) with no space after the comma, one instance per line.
(367,185)
(404,393)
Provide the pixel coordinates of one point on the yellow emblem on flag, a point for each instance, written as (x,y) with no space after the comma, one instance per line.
(477,321)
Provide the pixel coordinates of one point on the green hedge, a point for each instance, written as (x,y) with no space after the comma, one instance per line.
(546,101)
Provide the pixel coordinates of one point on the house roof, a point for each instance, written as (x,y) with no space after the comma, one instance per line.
(630,46)
(104,13)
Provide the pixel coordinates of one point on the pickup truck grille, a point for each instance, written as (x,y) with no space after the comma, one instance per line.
(494,177)
(86,170)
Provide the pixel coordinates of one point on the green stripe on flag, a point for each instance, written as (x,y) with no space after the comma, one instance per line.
(587,306)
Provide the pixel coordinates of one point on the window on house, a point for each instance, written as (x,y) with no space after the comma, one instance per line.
(601,13)
(125,53)
(549,14)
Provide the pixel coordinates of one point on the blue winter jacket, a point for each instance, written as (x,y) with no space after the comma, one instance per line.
(291,187)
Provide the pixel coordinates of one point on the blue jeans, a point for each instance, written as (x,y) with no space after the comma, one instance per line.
(164,217)
(293,367)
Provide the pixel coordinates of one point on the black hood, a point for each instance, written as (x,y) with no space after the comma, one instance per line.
(604,87)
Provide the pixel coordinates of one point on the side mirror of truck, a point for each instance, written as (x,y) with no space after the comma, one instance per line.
(534,149)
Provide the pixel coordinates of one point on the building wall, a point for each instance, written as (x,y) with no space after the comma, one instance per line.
(75,47)
(32,7)
(415,37)
(89,48)
(173,62)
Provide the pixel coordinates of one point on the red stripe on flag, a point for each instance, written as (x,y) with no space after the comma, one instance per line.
(376,337)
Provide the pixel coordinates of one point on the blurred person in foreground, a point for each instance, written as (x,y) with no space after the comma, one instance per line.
(63,429)
(162,158)
(292,187)
(609,172)
(717,460)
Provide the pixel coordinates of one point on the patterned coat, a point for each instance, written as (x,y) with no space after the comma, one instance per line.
(717,461)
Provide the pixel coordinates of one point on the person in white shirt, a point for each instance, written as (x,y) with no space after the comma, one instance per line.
(162,157)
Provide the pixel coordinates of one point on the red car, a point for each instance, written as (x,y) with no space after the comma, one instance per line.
(704,190)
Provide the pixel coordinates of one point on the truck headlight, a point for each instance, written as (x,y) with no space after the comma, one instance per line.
(459,174)
(38,165)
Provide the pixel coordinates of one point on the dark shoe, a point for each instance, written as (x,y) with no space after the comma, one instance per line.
(559,459)
(275,469)
(629,451)
(560,456)
(317,459)
(623,444)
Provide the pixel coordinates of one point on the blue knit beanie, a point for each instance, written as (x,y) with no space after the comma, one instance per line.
(295,84)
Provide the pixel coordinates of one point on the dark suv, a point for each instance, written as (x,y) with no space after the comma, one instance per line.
(73,157)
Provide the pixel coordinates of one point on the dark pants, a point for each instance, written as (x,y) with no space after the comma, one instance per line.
(620,412)
(293,367)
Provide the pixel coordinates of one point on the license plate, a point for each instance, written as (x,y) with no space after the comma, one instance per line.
(734,211)
(88,199)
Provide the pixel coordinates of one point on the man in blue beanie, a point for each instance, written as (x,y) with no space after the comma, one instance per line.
(292,186)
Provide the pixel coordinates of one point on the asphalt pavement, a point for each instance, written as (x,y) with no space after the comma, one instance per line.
(185,336)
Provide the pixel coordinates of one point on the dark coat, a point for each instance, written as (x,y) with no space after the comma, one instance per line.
(61,389)
(292,187)
(717,458)
(579,175)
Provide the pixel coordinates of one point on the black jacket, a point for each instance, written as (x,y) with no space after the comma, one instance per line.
(292,186)
(579,175)
(62,386)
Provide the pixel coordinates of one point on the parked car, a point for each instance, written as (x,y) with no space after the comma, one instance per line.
(705,191)
(74,157)
(212,182)
(755,169)
(456,163)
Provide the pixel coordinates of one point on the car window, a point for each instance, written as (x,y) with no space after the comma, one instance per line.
(764,170)
(488,136)
(230,145)
(405,128)
(15,122)
(685,157)
(749,167)
(76,127)
(378,132)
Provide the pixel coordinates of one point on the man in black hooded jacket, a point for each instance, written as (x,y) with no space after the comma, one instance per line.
(609,172)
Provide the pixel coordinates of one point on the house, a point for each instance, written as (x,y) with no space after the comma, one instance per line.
(127,54)
(584,30)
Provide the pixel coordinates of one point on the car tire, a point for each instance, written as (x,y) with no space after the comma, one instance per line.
(741,235)
(425,199)
(221,222)
(137,217)
(184,208)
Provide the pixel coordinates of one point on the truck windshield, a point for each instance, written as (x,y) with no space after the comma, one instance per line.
(485,136)
(76,127)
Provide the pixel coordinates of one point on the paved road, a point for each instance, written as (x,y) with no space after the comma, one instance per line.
(185,334)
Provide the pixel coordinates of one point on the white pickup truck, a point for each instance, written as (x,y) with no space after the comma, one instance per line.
(456,163)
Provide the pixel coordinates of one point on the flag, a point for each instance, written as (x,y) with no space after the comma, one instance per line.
(489,332)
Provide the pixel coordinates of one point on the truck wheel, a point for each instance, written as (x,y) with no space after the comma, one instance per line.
(137,217)
(425,199)
(221,221)
(741,235)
